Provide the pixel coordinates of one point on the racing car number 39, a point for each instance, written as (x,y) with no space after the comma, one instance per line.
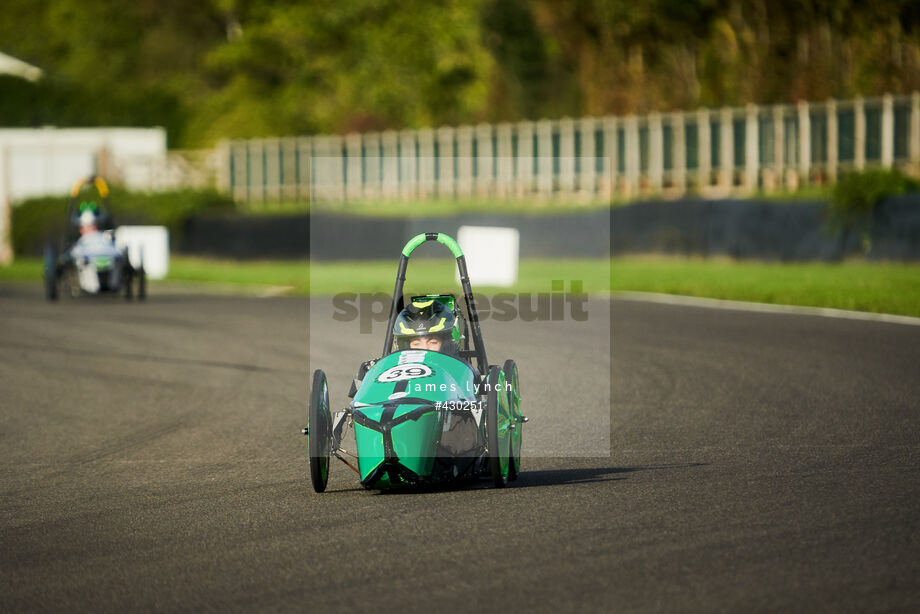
(403,372)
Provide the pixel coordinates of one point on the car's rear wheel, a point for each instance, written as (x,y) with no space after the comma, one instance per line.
(319,431)
(514,412)
(128,282)
(50,272)
(497,432)
(141,284)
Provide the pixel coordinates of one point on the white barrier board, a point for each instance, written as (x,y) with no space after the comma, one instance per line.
(149,244)
(491,254)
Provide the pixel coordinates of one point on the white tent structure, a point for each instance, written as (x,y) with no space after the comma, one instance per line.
(12,66)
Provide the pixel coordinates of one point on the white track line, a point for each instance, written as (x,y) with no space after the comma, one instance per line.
(711,303)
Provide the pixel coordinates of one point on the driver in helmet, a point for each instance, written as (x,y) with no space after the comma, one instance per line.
(88,222)
(428,324)
(92,245)
(89,218)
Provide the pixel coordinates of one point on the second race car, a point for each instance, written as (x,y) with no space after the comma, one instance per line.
(88,261)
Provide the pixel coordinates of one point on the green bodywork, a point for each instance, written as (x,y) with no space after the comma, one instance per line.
(406,385)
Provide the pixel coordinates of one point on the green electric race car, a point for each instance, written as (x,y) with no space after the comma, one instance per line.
(424,412)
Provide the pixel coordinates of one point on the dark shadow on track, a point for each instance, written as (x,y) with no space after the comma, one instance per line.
(559,477)
(146,358)
(537,478)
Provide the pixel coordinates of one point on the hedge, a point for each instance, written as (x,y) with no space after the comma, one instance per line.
(39,220)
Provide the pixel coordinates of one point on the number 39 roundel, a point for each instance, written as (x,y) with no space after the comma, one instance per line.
(407,371)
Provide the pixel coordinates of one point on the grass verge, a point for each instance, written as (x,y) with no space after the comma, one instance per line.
(880,287)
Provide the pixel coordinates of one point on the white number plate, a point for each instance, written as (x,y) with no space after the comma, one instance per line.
(406,371)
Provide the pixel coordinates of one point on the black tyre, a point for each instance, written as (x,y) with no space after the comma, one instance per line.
(319,431)
(128,282)
(69,285)
(51,273)
(497,428)
(141,283)
(514,411)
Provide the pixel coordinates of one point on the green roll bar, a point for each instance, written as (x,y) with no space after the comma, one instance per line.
(440,237)
(479,351)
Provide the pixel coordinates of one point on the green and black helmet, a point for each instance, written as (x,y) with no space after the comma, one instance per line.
(429,317)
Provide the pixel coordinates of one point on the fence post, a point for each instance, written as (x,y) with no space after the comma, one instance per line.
(337,146)
(256,154)
(464,161)
(545,158)
(804,143)
(566,156)
(915,131)
(587,180)
(485,158)
(322,169)
(289,187)
(779,144)
(408,179)
(390,178)
(679,152)
(335,168)
(238,178)
(446,160)
(726,149)
(859,130)
(887,131)
(523,184)
(315,150)
(504,160)
(354,186)
(611,153)
(751,149)
(833,140)
(632,156)
(655,152)
(271,150)
(224,180)
(704,138)
(372,185)
(304,169)
(425,163)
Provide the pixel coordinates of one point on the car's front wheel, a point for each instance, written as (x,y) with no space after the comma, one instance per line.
(319,431)
(513,391)
(497,431)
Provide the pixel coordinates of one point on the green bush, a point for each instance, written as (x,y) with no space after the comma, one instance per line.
(856,196)
(38,220)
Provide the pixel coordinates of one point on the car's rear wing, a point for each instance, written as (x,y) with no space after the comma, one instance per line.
(102,209)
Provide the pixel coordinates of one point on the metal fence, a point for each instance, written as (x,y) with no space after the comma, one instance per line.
(712,152)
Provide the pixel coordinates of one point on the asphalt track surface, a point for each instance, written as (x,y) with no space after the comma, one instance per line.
(151,460)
